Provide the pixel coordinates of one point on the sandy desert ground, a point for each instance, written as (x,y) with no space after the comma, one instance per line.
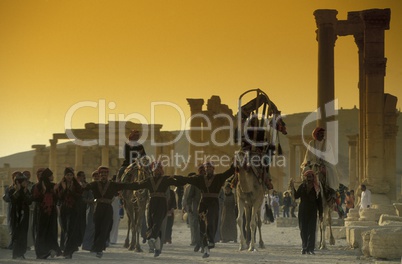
(282,245)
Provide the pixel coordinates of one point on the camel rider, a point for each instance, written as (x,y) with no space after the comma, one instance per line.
(319,158)
(258,152)
(133,150)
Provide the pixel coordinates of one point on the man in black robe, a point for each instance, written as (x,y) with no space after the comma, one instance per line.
(21,199)
(310,204)
(44,194)
(210,185)
(157,209)
(103,192)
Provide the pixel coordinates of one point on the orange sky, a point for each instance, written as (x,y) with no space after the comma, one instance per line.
(55,54)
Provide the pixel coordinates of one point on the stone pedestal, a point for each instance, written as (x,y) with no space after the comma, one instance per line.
(353,215)
(354,235)
(390,220)
(385,243)
(369,214)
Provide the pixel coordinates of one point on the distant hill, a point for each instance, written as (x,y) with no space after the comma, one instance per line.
(19,160)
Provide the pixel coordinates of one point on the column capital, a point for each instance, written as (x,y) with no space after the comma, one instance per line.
(325,17)
(53,142)
(376,18)
(195,105)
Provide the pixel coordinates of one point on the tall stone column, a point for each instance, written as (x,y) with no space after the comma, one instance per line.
(195,131)
(353,162)
(390,132)
(376,21)
(78,158)
(105,156)
(292,161)
(53,157)
(359,40)
(326,35)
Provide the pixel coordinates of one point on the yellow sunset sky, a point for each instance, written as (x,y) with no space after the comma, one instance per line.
(126,54)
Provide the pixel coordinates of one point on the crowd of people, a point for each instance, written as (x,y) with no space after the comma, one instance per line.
(88,213)
(38,210)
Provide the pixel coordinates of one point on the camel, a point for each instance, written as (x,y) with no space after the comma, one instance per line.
(250,196)
(328,203)
(253,161)
(135,202)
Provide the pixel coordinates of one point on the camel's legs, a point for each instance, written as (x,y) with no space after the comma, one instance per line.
(240,225)
(251,219)
(259,223)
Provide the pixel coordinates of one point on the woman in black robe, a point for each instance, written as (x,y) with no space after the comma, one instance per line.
(69,192)
(228,225)
(21,199)
(44,193)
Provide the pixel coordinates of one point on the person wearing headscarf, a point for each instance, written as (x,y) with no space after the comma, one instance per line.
(81,178)
(104,191)
(158,186)
(21,199)
(44,194)
(30,185)
(35,205)
(69,192)
(310,205)
(228,226)
(7,198)
(210,185)
(320,158)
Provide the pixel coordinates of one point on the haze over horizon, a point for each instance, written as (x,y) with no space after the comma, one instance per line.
(118,59)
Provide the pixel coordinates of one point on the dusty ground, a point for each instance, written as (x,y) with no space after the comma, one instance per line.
(282,245)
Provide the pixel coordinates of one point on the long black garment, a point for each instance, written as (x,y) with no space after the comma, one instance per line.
(47,234)
(70,208)
(209,204)
(172,205)
(228,226)
(35,216)
(157,208)
(20,220)
(310,204)
(103,214)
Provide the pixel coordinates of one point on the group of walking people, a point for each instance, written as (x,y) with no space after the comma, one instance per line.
(64,203)
(83,211)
